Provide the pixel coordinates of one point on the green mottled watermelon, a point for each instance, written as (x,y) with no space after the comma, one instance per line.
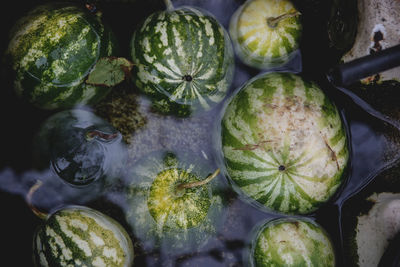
(284,144)
(80,236)
(258,40)
(52,50)
(163,215)
(184,60)
(291,242)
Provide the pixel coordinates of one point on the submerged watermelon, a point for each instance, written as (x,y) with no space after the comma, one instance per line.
(284,144)
(184,60)
(79,147)
(260,41)
(52,50)
(80,236)
(163,215)
(291,242)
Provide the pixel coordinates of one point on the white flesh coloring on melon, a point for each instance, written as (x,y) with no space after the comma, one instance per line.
(292,242)
(284,143)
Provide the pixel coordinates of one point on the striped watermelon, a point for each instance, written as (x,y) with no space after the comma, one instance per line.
(52,50)
(258,40)
(291,242)
(284,144)
(80,236)
(184,60)
(161,214)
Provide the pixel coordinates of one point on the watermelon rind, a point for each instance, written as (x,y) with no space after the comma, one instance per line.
(182,57)
(282,144)
(51,51)
(290,241)
(162,217)
(257,44)
(81,236)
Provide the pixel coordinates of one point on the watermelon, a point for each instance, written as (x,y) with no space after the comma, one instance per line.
(184,60)
(81,236)
(79,147)
(266,33)
(165,215)
(284,145)
(291,242)
(51,52)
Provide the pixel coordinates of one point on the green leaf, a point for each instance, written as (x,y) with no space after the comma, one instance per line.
(110,71)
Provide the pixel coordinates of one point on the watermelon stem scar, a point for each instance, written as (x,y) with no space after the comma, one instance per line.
(198,183)
(32,190)
(273,21)
(187,78)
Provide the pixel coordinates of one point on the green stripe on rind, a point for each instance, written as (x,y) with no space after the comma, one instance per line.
(291,242)
(184,212)
(278,119)
(186,41)
(52,50)
(174,235)
(255,43)
(78,236)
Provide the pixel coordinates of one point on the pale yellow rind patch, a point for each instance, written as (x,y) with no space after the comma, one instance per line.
(287,129)
(98,237)
(256,42)
(66,253)
(82,244)
(294,241)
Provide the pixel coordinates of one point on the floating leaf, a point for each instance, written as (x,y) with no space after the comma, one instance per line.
(110,71)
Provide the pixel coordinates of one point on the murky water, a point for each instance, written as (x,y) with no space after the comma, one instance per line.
(374,147)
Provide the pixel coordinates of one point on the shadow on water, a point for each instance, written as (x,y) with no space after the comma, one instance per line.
(375,146)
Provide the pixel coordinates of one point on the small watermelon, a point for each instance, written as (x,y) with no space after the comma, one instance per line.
(52,51)
(266,33)
(163,212)
(291,242)
(81,236)
(283,144)
(183,60)
(79,147)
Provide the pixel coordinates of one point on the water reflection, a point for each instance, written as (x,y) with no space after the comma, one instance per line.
(370,143)
(375,147)
(79,147)
(374,141)
(53,193)
(171,133)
